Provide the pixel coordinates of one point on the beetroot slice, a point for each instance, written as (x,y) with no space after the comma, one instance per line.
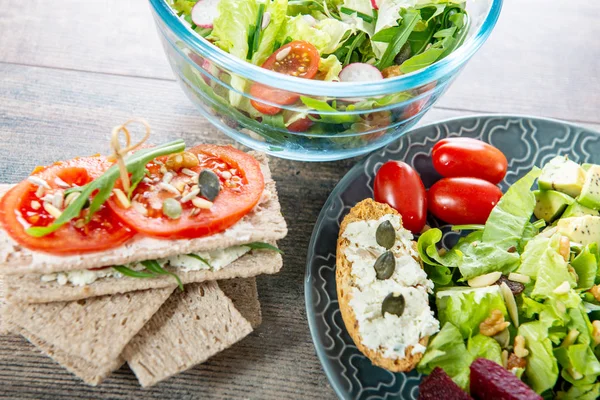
(490,380)
(438,385)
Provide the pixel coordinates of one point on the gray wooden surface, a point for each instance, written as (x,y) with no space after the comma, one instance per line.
(71,70)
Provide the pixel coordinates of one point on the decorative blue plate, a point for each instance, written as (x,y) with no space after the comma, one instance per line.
(526,141)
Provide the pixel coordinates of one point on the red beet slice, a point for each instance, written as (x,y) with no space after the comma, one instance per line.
(438,385)
(490,380)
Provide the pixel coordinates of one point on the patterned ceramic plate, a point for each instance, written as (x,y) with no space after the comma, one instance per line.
(525,141)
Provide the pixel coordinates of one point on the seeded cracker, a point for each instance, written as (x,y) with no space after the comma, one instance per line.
(95,330)
(190,327)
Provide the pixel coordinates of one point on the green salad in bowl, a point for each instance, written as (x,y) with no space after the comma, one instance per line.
(319,79)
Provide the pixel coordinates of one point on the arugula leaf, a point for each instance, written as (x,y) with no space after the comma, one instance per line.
(262,246)
(332,116)
(409,20)
(104,185)
(154,267)
(361,15)
(197,257)
(132,273)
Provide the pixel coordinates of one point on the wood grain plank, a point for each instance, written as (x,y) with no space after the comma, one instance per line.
(68,113)
(531,64)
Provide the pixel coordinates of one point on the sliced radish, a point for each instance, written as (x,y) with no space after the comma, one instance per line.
(360,72)
(204,13)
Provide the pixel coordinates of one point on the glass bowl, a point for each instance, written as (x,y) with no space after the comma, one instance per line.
(353,118)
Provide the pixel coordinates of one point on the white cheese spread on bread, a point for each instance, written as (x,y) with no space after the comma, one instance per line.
(388,333)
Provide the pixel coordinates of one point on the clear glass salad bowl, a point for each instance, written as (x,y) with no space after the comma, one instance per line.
(346,119)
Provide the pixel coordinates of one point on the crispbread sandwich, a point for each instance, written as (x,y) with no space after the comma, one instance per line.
(214,215)
(382,289)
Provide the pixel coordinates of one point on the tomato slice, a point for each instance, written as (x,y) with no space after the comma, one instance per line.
(241,186)
(298,58)
(21,208)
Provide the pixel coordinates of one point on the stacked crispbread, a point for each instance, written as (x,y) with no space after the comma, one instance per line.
(150,324)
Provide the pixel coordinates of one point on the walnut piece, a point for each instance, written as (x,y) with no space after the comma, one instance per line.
(520,350)
(494,324)
(595,291)
(391,72)
(515,361)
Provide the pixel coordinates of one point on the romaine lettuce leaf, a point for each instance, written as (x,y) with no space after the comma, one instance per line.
(467,307)
(583,392)
(580,321)
(586,266)
(447,350)
(278,13)
(579,364)
(542,369)
(327,35)
(508,218)
(434,264)
(230,32)
(183,6)
(552,273)
(481,346)
(534,252)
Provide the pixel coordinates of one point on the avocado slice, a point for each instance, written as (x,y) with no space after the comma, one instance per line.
(550,204)
(590,193)
(577,210)
(563,175)
(584,230)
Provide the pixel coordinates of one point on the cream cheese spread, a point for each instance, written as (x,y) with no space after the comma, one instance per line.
(388,333)
(213,260)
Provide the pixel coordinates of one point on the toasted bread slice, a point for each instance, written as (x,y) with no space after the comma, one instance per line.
(365,210)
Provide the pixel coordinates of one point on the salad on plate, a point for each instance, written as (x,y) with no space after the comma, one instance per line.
(517,296)
(327,40)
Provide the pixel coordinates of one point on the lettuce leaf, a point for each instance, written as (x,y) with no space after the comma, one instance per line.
(466,307)
(535,250)
(583,392)
(447,350)
(586,266)
(330,68)
(542,368)
(481,346)
(553,271)
(230,32)
(327,35)
(578,360)
(434,264)
(278,11)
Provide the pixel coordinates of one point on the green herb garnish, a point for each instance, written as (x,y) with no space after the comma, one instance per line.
(197,257)
(262,246)
(103,185)
(154,267)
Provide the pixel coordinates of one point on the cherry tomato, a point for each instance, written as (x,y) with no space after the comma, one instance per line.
(301,125)
(469,157)
(242,185)
(461,201)
(400,186)
(21,208)
(298,58)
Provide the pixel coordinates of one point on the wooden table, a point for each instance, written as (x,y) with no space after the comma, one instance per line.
(71,70)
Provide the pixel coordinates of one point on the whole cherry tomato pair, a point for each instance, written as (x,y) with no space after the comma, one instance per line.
(466,195)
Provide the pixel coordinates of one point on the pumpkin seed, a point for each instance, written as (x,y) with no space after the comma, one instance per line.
(209,184)
(385,265)
(393,304)
(385,235)
(172,208)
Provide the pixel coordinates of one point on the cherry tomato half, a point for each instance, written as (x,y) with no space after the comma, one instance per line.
(469,157)
(400,186)
(462,201)
(301,125)
(298,58)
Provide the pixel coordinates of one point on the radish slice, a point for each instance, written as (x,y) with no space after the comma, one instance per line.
(360,72)
(204,12)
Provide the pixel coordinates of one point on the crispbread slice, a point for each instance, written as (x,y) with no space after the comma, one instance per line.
(87,372)
(30,289)
(365,210)
(263,224)
(188,329)
(244,295)
(95,330)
